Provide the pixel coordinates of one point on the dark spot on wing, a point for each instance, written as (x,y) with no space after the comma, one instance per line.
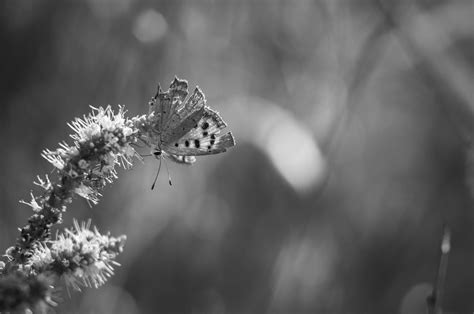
(204,133)
(212,142)
(205,125)
(176,145)
(186,143)
(209,147)
(197,143)
(213,136)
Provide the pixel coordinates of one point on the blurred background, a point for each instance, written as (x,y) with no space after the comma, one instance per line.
(353,122)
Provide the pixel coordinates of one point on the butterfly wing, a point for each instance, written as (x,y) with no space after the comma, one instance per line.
(203,138)
(178,92)
(179,88)
(188,160)
(184,118)
(164,104)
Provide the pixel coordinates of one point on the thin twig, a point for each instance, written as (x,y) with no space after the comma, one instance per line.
(435,300)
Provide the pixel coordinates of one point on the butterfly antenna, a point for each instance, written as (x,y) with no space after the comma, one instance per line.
(156,177)
(168,171)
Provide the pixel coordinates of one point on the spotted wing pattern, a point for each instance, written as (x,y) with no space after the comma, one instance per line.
(203,138)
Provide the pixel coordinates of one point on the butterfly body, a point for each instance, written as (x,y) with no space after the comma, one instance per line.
(183,127)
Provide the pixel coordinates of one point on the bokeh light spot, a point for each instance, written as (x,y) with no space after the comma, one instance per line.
(150,26)
(295,154)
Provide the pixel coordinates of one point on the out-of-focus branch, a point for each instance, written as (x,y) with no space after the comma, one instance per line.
(367,61)
(427,38)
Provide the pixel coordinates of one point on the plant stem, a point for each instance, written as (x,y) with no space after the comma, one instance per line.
(435,300)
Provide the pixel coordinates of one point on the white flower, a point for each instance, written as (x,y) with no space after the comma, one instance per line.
(87,257)
(41,258)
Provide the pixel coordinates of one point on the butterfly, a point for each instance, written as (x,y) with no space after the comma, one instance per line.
(183,127)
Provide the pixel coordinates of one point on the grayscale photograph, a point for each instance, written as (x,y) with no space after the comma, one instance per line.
(237,157)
